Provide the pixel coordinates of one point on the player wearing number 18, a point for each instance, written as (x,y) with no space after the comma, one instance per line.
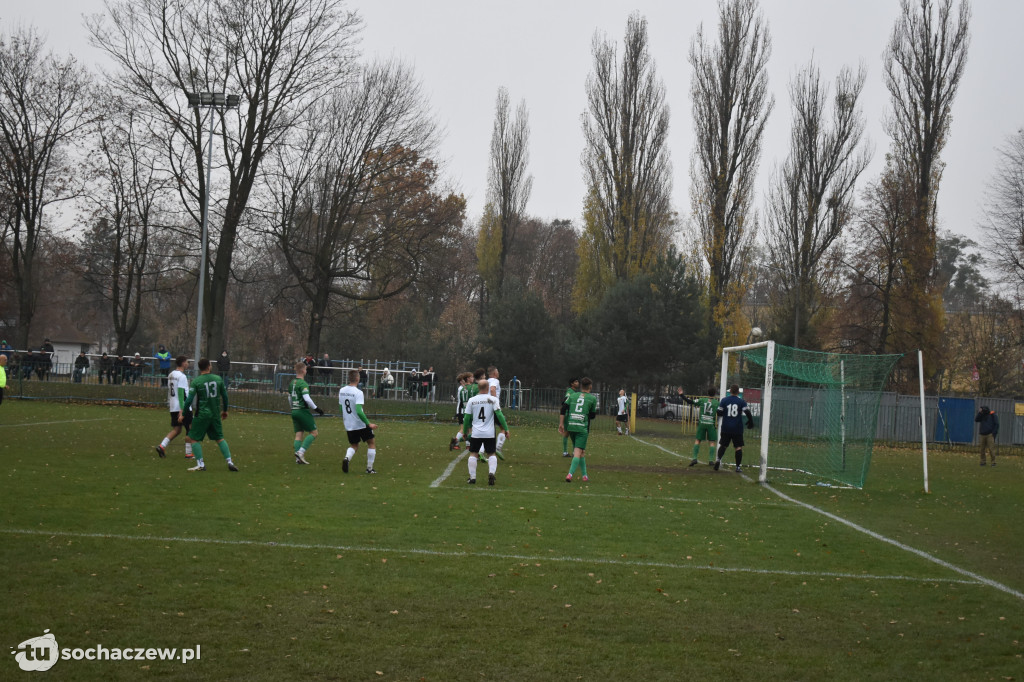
(359,428)
(302,419)
(578,410)
(212,408)
(731,409)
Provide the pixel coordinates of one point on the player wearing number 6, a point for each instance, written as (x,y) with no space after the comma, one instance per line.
(731,409)
(302,419)
(350,402)
(478,426)
(212,408)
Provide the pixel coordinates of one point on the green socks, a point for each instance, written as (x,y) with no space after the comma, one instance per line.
(223,445)
(296,445)
(696,450)
(583,464)
(197,452)
(574,465)
(307,441)
(565,443)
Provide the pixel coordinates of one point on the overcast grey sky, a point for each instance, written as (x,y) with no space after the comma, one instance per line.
(464,50)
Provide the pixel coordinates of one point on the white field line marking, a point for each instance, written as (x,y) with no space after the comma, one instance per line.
(451,467)
(486,555)
(575,493)
(655,445)
(878,536)
(66,421)
(896,543)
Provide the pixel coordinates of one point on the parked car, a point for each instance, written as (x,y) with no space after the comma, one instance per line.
(663,407)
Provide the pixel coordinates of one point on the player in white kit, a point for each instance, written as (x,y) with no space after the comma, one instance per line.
(478,426)
(350,402)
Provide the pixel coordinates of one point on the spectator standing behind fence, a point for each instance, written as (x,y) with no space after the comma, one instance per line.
(44,363)
(988,429)
(137,366)
(81,367)
(324,365)
(106,368)
(386,381)
(428,382)
(224,364)
(122,367)
(363,378)
(28,364)
(6,350)
(163,358)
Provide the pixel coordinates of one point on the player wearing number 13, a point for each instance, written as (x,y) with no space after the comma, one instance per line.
(732,409)
(302,419)
(350,402)
(212,398)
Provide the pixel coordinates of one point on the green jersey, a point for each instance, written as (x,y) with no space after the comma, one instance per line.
(464,396)
(212,396)
(707,408)
(296,390)
(582,408)
(474,389)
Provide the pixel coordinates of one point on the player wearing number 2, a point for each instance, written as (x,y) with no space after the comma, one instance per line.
(478,426)
(209,390)
(731,409)
(578,410)
(350,402)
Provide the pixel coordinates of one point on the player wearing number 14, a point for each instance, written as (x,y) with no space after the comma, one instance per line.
(302,419)
(212,398)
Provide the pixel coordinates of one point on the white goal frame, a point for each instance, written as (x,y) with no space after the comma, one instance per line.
(766,395)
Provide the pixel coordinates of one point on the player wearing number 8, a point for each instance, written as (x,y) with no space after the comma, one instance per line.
(212,398)
(732,409)
(359,428)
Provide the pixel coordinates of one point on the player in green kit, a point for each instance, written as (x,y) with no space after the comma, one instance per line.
(574,386)
(578,410)
(302,419)
(707,424)
(212,398)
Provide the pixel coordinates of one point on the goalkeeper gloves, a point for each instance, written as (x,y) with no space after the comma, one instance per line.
(319,411)
(750,422)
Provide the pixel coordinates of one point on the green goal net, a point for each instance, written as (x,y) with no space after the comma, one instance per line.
(815,414)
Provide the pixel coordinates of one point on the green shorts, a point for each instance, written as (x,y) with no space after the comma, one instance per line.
(707,432)
(579,439)
(205,427)
(302,420)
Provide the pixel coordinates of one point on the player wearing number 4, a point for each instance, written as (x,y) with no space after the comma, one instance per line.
(213,408)
(731,409)
(302,419)
(478,427)
(350,402)
(581,409)
(177,389)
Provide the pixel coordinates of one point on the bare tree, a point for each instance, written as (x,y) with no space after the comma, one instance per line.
(876,263)
(628,220)
(731,105)
(357,203)
(924,63)
(508,184)
(280,56)
(127,190)
(43,111)
(1004,211)
(810,199)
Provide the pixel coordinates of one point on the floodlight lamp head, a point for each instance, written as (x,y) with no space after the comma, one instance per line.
(193,98)
(234,101)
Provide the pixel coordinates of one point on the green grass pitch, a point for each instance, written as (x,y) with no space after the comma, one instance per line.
(651,571)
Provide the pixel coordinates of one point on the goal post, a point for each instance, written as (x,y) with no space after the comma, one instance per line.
(815,413)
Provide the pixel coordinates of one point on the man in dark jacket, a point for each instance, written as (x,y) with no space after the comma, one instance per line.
(224,365)
(81,367)
(106,368)
(988,429)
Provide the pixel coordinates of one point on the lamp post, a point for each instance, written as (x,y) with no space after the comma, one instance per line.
(207,100)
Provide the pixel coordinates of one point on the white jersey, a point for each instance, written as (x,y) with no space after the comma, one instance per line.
(482,408)
(496,385)
(176,380)
(349,397)
(623,402)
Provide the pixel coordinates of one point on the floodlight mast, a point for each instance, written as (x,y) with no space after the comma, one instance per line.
(207,100)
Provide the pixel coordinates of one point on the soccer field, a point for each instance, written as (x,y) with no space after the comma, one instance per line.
(651,571)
